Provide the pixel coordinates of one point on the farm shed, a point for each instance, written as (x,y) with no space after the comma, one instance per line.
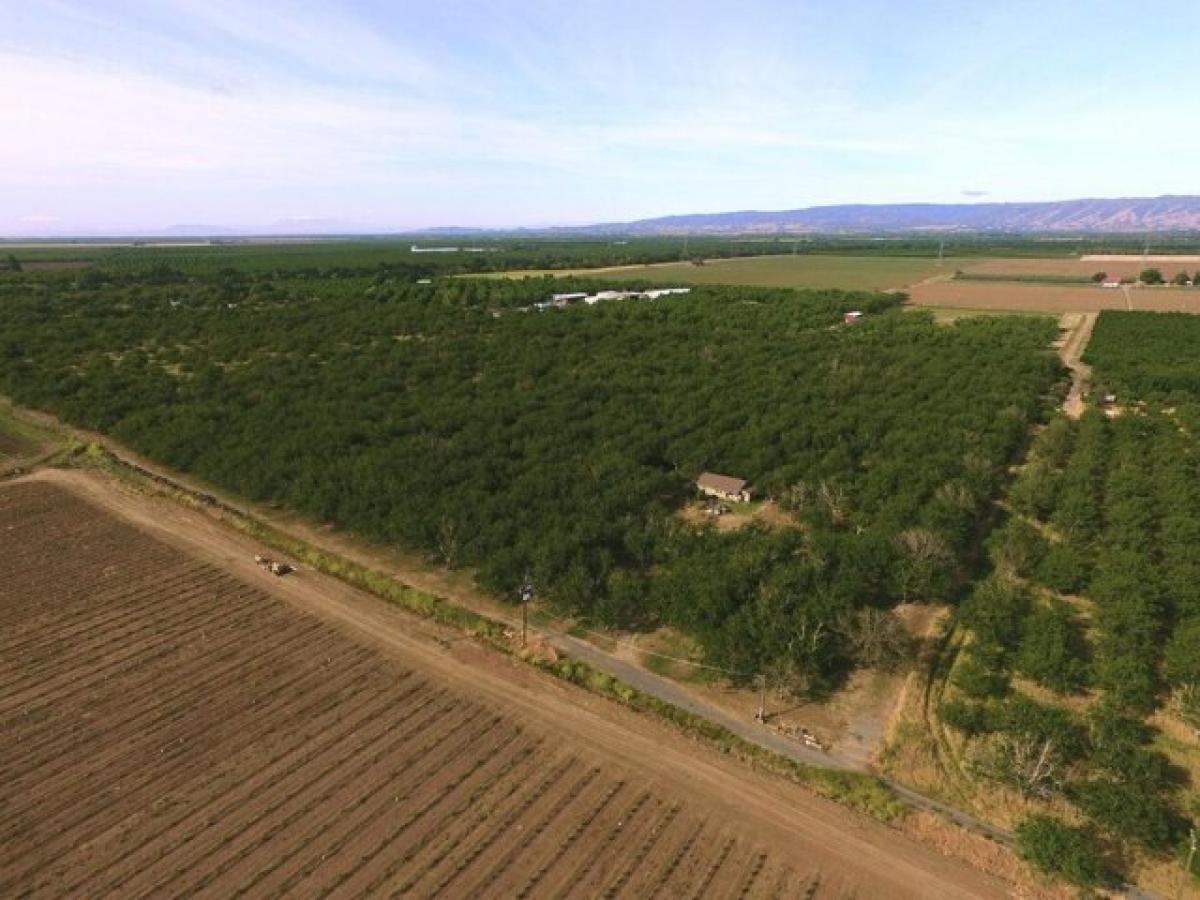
(1111,281)
(853,316)
(724,487)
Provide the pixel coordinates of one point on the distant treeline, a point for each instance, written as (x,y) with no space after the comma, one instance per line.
(362,256)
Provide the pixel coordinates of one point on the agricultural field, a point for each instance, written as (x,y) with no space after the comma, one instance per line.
(1067,702)
(855,273)
(173,729)
(1147,356)
(1076,690)
(1015,296)
(452,420)
(1128,267)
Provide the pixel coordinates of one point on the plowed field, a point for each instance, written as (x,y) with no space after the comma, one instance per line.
(170,729)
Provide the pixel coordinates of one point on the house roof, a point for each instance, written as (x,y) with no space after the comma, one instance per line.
(724,483)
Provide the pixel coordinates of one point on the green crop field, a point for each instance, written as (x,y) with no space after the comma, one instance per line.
(859,273)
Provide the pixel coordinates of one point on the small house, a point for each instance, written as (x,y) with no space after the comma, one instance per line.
(853,316)
(1111,281)
(723,487)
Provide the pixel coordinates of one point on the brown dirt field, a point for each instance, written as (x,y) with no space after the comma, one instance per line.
(176,721)
(1051,299)
(1126,267)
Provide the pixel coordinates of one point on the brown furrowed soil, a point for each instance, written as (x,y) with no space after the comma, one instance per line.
(176,722)
(1051,298)
(1126,267)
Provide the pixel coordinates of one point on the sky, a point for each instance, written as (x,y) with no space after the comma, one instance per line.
(133,116)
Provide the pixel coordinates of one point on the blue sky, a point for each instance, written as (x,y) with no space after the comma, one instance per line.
(372,115)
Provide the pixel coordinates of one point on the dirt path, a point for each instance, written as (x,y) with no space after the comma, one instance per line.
(1079,331)
(880,861)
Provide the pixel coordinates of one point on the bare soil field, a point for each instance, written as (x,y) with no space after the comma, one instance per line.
(1048,298)
(1126,267)
(175,722)
(1150,259)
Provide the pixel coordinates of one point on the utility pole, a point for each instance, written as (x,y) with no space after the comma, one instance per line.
(761,715)
(1187,869)
(526,596)
(684,255)
(941,252)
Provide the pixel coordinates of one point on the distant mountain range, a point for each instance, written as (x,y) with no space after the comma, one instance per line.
(1154,214)
(1175,214)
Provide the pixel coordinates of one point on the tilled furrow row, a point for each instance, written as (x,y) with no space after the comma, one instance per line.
(149,834)
(284,816)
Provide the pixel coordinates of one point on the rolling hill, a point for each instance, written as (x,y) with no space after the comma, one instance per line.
(1156,214)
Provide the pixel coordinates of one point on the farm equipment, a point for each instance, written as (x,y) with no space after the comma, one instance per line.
(801,734)
(273,566)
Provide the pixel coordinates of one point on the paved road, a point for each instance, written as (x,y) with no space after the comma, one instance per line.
(664,689)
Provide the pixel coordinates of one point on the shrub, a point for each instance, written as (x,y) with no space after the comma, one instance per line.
(969,718)
(1063,568)
(1181,662)
(1020,716)
(1034,493)
(1019,547)
(1056,848)
(994,613)
(976,678)
(1053,651)
(1127,811)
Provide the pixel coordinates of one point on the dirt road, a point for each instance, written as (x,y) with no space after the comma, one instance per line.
(1079,331)
(868,858)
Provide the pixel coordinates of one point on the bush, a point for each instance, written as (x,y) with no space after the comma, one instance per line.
(994,613)
(1181,662)
(975,677)
(1035,492)
(1064,568)
(1053,651)
(1020,716)
(1118,747)
(1019,547)
(1056,848)
(1127,811)
(969,718)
